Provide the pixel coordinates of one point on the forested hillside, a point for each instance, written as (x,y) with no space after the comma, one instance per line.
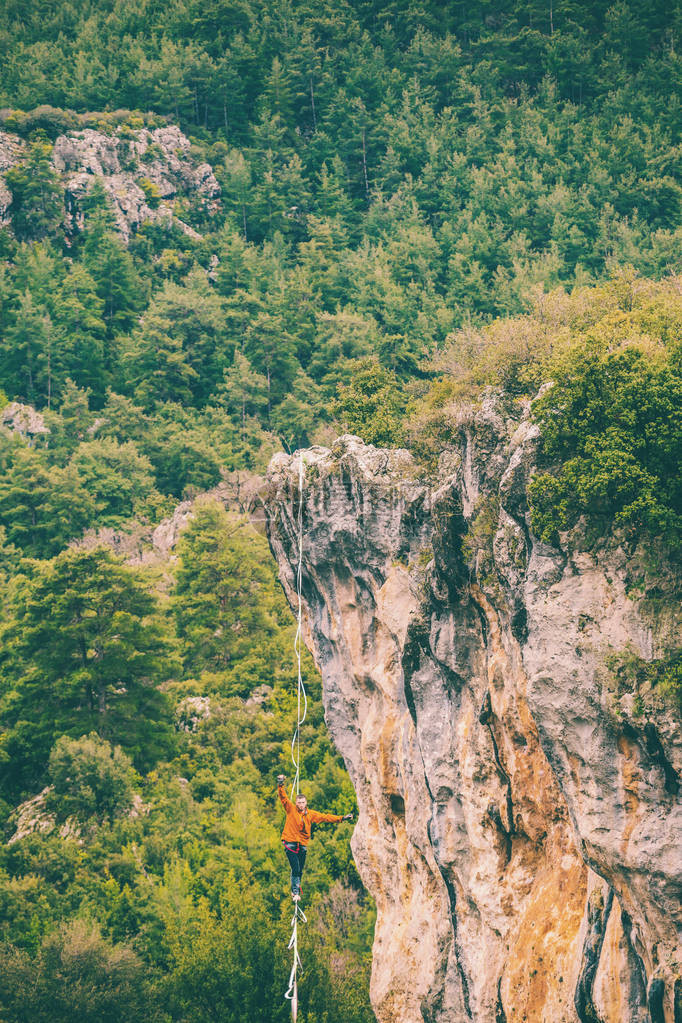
(417,200)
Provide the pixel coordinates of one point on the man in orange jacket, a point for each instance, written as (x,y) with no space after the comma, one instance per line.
(298,832)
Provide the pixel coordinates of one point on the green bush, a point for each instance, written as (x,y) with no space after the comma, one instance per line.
(52,120)
(612,446)
(92,780)
(631,673)
(372,404)
(151,191)
(76,975)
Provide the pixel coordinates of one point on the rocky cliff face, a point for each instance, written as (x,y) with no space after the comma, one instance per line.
(520,821)
(143,172)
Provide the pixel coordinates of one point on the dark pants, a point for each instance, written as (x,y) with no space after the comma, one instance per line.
(296,855)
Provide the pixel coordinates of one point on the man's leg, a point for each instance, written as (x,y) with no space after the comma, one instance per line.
(301,864)
(294,863)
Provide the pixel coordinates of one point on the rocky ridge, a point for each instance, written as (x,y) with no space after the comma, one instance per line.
(36,816)
(143,543)
(520,820)
(24,420)
(144,172)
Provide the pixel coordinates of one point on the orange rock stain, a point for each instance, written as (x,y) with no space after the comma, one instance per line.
(629,770)
(537,982)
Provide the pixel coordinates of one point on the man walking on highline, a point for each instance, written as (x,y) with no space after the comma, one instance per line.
(297,832)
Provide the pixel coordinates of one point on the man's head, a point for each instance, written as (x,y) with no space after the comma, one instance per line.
(301,803)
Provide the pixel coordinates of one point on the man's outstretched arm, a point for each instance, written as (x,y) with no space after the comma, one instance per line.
(282,792)
(328,818)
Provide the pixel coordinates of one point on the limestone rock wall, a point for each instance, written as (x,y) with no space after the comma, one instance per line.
(143,172)
(12,151)
(520,825)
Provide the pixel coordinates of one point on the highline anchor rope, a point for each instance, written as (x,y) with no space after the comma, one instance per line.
(301,713)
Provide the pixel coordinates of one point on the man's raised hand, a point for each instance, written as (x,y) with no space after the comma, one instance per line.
(280,779)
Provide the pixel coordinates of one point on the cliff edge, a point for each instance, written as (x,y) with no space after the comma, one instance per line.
(520,818)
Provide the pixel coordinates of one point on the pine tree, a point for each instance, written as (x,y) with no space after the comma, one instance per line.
(270,350)
(277,96)
(297,415)
(80,330)
(69,427)
(197,318)
(39,270)
(223,593)
(37,206)
(155,366)
(111,267)
(28,354)
(118,478)
(172,94)
(372,405)
(243,392)
(42,508)
(84,652)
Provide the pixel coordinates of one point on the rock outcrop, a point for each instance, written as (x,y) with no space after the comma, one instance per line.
(35,816)
(12,150)
(142,171)
(142,543)
(520,821)
(24,420)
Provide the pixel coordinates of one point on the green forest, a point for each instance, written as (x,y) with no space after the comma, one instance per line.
(419,201)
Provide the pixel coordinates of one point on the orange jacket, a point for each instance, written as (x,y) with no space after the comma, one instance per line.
(297,825)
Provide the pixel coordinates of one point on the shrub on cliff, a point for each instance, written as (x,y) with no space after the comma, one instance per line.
(612,427)
(52,120)
(372,405)
(612,420)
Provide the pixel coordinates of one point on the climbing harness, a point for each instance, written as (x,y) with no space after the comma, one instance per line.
(301,713)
